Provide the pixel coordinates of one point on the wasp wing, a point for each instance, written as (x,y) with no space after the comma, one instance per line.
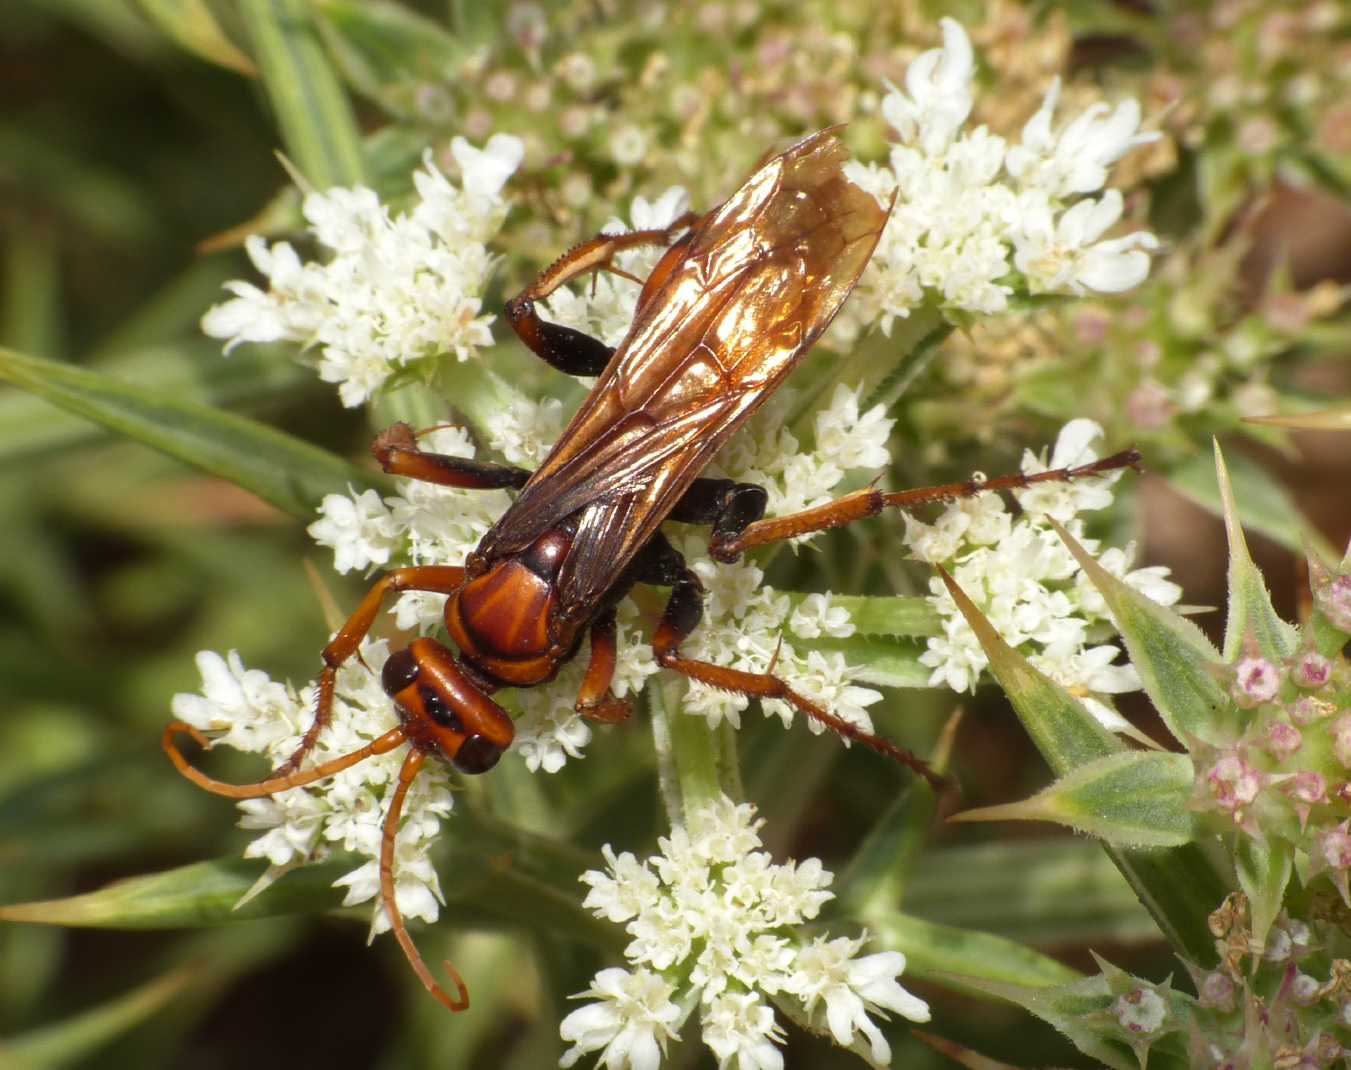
(739,302)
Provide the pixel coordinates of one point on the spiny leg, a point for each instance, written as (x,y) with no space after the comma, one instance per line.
(569,350)
(727,547)
(397,451)
(438,579)
(683,612)
(408,772)
(595,700)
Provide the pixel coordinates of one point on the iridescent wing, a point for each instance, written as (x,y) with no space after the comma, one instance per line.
(738,303)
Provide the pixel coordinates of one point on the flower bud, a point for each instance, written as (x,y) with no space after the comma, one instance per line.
(1283,740)
(1311,669)
(1256,680)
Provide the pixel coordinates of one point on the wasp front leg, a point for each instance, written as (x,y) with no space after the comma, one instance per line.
(595,700)
(571,351)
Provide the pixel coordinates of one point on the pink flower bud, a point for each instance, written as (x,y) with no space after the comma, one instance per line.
(1332,596)
(1142,1011)
(1304,990)
(1256,680)
(1305,710)
(1217,991)
(1307,787)
(1335,846)
(1341,739)
(1233,782)
(1283,740)
(1311,669)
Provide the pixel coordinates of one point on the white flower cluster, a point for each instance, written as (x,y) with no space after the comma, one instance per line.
(244,709)
(973,212)
(1029,585)
(714,920)
(394,290)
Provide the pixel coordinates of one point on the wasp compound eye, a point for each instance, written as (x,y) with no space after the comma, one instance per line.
(400,670)
(477,754)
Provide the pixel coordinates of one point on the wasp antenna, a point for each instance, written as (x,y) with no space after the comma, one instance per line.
(412,765)
(385,743)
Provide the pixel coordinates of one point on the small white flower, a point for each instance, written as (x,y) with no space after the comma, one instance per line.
(359,528)
(714,911)
(969,206)
(1027,583)
(395,290)
(850,988)
(526,430)
(630,1024)
(849,439)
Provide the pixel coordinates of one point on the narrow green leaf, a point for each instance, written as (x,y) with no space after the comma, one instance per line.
(1082,1011)
(192,24)
(880,661)
(287,472)
(889,614)
(1178,886)
(1267,506)
(1063,730)
(79,1037)
(883,864)
(318,129)
(1252,618)
(381,46)
(1172,655)
(1131,799)
(204,893)
(1049,892)
(970,956)
(1324,420)
(1264,870)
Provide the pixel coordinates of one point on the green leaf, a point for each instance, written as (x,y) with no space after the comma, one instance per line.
(381,46)
(1178,886)
(1174,658)
(318,128)
(1251,615)
(1132,799)
(1063,730)
(1267,506)
(1049,892)
(287,472)
(888,615)
(1323,420)
(1082,1011)
(201,894)
(1264,870)
(192,25)
(879,661)
(79,1037)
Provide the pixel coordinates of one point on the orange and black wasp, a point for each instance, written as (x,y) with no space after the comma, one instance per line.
(738,298)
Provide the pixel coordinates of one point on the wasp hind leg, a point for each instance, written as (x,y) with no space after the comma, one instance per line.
(664,565)
(397,451)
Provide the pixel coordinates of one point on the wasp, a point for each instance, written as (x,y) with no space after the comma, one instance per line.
(741,294)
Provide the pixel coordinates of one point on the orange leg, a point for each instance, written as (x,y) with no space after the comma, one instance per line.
(408,772)
(682,615)
(864,503)
(595,701)
(440,579)
(397,451)
(568,350)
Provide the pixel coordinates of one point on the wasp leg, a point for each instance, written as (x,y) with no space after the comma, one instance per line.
(439,579)
(569,350)
(729,507)
(728,546)
(595,701)
(397,451)
(683,612)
